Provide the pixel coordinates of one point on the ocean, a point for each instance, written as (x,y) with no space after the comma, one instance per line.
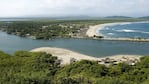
(128,30)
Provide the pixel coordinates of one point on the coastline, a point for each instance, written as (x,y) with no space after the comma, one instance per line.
(94,32)
(67,56)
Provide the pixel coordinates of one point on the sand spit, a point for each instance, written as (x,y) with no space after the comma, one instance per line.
(67,56)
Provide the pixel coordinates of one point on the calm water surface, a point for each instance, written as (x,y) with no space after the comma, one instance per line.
(97,48)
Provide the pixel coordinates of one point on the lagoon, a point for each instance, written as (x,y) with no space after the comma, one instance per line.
(97,48)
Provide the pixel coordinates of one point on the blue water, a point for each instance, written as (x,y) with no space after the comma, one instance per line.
(97,48)
(133,30)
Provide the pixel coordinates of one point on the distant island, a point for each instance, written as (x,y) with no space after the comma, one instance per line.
(118,17)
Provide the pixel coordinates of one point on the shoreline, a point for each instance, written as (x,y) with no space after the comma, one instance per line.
(68,56)
(94,32)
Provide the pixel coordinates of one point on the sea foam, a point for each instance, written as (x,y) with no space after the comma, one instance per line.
(126,30)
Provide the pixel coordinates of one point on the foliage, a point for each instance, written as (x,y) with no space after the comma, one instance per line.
(40,68)
(27,67)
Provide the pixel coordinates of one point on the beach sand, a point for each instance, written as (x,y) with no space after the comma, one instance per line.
(66,56)
(93,31)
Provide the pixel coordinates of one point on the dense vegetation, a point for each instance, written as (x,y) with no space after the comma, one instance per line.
(41,68)
(52,29)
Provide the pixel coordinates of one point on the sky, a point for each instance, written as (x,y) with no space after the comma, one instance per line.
(53,8)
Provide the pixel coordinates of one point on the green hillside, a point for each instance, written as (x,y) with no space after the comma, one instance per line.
(41,68)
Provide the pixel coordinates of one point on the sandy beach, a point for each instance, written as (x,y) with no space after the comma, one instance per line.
(67,55)
(95,31)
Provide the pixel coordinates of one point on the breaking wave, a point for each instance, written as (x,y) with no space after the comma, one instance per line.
(110,33)
(135,31)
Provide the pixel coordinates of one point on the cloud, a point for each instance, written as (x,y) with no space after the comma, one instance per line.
(15,8)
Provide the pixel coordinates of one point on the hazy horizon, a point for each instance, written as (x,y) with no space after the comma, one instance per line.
(61,8)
